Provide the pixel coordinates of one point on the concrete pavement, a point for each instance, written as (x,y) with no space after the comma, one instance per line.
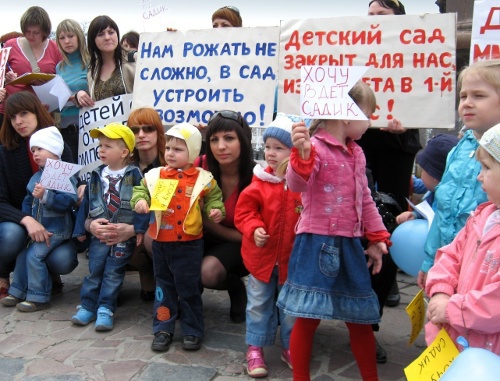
(45,345)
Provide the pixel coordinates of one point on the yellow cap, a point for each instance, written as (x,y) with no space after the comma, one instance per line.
(116,131)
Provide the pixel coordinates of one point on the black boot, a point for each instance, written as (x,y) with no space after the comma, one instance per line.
(238,297)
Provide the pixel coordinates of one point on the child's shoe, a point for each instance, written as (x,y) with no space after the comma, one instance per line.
(83,316)
(286,358)
(104,320)
(10,301)
(256,366)
(28,306)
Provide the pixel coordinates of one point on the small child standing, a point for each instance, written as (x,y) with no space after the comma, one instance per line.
(266,214)
(328,276)
(107,198)
(432,161)
(459,192)
(464,282)
(177,234)
(32,284)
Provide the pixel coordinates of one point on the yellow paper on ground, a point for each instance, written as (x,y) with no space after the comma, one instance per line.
(416,312)
(29,78)
(434,361)
(162,194)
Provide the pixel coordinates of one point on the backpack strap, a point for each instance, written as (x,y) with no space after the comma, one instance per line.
(30,55)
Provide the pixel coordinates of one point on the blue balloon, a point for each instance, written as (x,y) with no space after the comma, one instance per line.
(473,364)
(407,248)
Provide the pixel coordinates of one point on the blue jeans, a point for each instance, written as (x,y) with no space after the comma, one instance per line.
(13,238)
(263,314)
(31,280)
(177,269)
(106,273)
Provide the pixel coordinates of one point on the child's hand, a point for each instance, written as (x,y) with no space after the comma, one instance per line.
(81,238)
(39,191)
(405,216)
(301,139)
(139,238)
(375,252)
(421,279)
(215,215)
(142,207)
(260,237)
(436,310)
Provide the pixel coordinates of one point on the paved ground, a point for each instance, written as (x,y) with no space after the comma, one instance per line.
(45,345)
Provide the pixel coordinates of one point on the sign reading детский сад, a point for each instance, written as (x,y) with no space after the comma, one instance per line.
(187,76)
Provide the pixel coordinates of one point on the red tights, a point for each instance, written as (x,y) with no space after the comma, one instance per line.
(362,342)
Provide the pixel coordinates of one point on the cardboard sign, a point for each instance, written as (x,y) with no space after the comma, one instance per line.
(416,312)
(163,193)
(410,61)
(56,175)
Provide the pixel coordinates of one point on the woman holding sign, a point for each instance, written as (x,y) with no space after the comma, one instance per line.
(24,115)
(230,159)
(109,72)
(32,53)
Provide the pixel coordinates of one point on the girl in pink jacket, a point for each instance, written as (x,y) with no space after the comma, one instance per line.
(328,276)
(464,283)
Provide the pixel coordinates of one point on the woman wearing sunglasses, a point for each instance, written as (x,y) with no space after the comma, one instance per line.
(227,16)
(229,157)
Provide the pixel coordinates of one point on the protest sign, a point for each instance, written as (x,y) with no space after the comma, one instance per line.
(187,76)
(485,39)
(410,60)
(4,56)
(56,175)
(113,109)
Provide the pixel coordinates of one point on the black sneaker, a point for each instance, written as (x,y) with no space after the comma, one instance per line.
(191,343)
(161,342)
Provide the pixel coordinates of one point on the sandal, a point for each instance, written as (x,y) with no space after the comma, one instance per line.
(27,306)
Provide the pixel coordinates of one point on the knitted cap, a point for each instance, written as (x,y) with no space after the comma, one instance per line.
(432,158)
(280,129)
(48,138)
(490,141)
(116,131)
(191,135)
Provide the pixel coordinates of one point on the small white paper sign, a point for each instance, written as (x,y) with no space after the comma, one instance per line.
(56,175)
(425,210)
(54,93)
(325,92)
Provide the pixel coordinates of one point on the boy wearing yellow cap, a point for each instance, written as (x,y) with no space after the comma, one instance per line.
(107,200)
(177,234)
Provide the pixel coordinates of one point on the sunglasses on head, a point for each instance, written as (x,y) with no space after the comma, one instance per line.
(233,8)
(145,129)
(226,114)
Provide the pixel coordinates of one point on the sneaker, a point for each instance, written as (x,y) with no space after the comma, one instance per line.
(27,306)
(256,366)
(286,358)
(381,353)
(104,320)
(10,301)
(191,343)
(161,341)
(83,316)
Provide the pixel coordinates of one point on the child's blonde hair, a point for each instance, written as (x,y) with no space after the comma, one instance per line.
(488,70)
(362,94)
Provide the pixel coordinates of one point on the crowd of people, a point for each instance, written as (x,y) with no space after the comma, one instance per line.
(292,242)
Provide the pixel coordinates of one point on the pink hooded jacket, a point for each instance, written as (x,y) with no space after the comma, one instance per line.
(468,269)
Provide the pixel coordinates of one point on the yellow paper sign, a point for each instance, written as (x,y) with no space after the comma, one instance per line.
(416,312)
(162,194)
(434,361)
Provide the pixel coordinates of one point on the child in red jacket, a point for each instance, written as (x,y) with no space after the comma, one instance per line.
(267,204)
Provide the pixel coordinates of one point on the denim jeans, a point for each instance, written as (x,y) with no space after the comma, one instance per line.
(106,273)
(31,280)
(177,269)
(13,238)
(263,315)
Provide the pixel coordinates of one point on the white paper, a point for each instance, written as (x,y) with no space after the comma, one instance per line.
(425,210)
(54,93)
(56,175)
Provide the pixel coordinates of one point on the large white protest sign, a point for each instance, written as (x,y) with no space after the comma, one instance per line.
(187,76)
(56,175)
(485,39)
(325,92)
(4,56)
(109,110)
(153,14)
(410,61)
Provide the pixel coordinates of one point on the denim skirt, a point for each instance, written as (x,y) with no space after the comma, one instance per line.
(328,279)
